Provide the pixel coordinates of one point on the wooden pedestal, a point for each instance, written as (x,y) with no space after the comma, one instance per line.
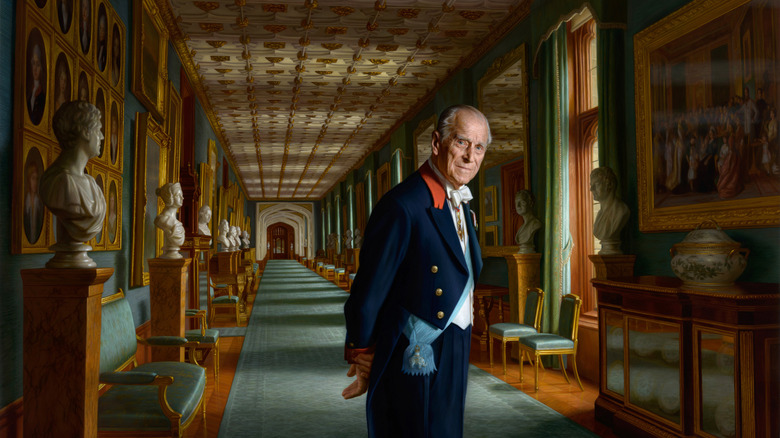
(62,338)
(523,274)
(193,246)
(613,266)
(167,296)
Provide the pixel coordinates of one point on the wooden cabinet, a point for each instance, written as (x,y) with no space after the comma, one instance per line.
(681,361)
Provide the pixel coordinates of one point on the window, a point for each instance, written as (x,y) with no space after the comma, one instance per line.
(583,156)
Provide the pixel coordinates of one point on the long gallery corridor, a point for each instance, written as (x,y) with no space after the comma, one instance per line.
(284,377)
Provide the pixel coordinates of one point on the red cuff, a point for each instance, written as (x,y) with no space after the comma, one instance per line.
(351,353)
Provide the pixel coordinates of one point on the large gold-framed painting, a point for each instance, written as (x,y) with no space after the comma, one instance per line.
(150,57)
(707,132)
(151,171)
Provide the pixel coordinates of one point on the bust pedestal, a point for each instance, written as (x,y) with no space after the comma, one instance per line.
(523,273)
(167,296)
(613,266)
(62,338)
(194,245)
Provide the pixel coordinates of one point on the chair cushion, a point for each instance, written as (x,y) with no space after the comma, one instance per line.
(330,267)
(320,264)
(340,270)
(352,276)
(547,341)
(511,330)
(225,299)
(136,407)
(211,336)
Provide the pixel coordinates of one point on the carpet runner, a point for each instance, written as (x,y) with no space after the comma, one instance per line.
(291,373)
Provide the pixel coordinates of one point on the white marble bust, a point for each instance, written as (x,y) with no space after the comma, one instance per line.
(235,238)
(245,239)
(357,239)
(204,217)
(173,231)
(524,206)
(223,238)
(72,195)
(613,214)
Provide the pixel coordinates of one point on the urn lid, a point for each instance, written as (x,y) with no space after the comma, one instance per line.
(709,236)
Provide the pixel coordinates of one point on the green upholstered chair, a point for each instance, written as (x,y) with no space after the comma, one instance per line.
(153,399)
(207,338)
(513,331)
(565,342)
(220,296)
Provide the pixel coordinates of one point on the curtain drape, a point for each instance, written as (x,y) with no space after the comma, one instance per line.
(553,134)
(610,59)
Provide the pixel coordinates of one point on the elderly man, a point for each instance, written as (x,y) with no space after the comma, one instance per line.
(410,308)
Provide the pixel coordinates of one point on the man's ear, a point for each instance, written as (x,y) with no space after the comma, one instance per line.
(435,142)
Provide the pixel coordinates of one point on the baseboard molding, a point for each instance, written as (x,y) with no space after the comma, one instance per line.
(11,416)
(11,420)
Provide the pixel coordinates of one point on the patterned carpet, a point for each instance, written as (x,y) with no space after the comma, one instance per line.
(291,372)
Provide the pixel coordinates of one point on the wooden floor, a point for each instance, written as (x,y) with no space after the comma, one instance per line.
(553,389)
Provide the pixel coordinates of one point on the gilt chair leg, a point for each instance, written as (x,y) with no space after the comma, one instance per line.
(563,368)
(536,372)
(503,353)
(490,350)
(576,374)
(521,371)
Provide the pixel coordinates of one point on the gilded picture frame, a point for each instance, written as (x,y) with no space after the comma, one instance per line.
(173,128)
(150,57)
(152,153)
(114,212)
(98,172)
(115,137)
(491,236)
(116,65)
(489,202)
(382,180)
(698,72)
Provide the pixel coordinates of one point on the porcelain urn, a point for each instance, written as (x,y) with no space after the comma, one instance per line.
(708,257)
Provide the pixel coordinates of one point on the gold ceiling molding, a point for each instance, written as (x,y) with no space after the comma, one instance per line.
(216,44)
(206,6)
(220,58)
(275,28)
(387,47)
(224,70)
(429,62)
(398,31)
(229,92)
(269,7)
(274,59)
(379,61)
(460,33)
(327,60)
(342,11)
(211,27)
(274,45)
(335,30)
(471,15)
(408,13)
(274,72)
(274,82)
(372,73)
(331,46)
(441,49)
(366,84)
(323,72)
(226,81)
(420,75)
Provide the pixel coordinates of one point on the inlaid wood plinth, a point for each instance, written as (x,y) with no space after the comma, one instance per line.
(62,350)
(613,266)
(168,300)
(523,274)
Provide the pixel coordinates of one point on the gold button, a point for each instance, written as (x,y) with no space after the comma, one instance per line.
(434,269)
(439,292)
(440,315)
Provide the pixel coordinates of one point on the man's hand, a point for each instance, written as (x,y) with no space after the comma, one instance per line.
(361,369)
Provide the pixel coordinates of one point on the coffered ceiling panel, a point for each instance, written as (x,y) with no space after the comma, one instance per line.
(302,91)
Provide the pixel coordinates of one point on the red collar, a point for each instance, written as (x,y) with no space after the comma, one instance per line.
(434,185)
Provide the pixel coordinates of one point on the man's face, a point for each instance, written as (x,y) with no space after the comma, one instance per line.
(32,179)
(459,156)
(520,206)
(95,140)
(35,63)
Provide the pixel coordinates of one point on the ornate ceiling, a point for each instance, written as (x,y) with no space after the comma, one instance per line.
(302,91)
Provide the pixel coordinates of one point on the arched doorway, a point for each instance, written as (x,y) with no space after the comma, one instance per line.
(281,240)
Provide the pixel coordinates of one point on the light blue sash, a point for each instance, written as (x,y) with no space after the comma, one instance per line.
(418,356)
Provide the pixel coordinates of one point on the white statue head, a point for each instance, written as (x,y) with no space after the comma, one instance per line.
(173,230)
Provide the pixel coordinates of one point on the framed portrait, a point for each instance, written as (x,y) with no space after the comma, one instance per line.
(63,78)
(173,128)
(491,236)
(489,204)
(32,220)
(706,94)
(151,171)
(101,38)
(150,54)
(36,84)
(84,83)
(64,15)
(115,136)
(116,65)
(100,103)
(382,180)
(207,183)
(85,18)
(114,212)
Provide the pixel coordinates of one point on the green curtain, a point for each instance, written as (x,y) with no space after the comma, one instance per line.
(610,59)
(553,134)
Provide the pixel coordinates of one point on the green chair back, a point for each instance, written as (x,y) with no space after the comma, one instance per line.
(569,316)
(532,314)
(117,333)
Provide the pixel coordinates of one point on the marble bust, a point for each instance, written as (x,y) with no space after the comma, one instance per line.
(235,238)
(204,217)
(245,239)
(223,237)
(348,241)
(524,206)
(173,231)
(613,214)
(72,195)
(357,239)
